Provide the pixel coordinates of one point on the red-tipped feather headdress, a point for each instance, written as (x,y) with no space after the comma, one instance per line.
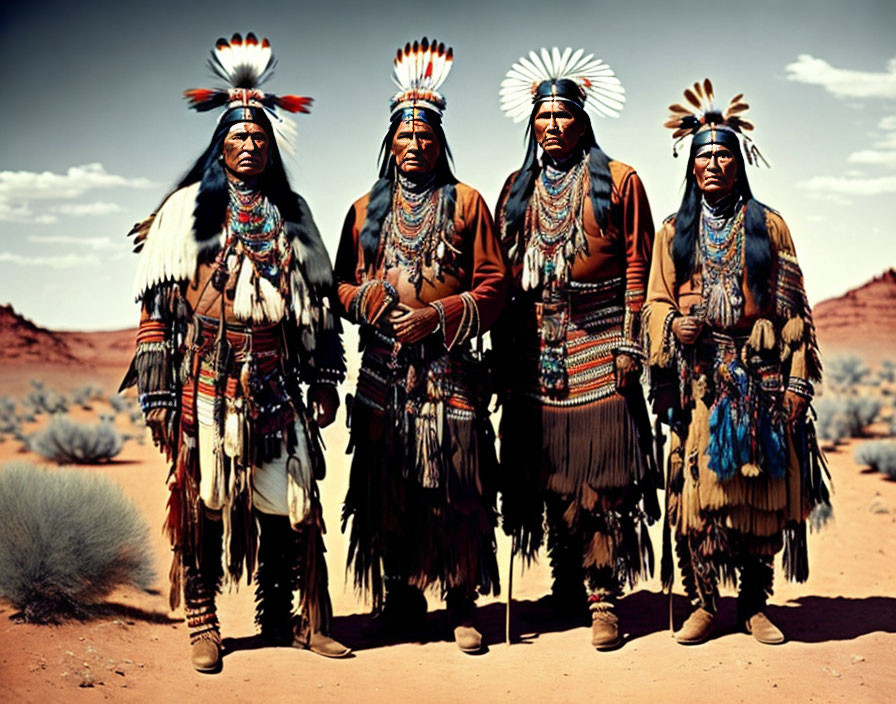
(245,64)
(419,70)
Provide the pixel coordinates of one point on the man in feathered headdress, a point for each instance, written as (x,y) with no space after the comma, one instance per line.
(234,284)
(733,357)
(420,271)
(575,438)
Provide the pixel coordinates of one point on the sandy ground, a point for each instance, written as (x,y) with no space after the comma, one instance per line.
(841,623)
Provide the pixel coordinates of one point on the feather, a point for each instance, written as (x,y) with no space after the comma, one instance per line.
(736,108)
(698,90)
(674,123)
(294,103)
(604,94)
(707,88)
(680,109)
(202,99)
(418,71)
(692,99)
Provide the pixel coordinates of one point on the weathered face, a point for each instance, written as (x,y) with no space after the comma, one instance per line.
(715,169)
(416,147)
(246,149)
(557,129)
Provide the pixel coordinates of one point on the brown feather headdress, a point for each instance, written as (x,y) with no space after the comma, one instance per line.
(699,116)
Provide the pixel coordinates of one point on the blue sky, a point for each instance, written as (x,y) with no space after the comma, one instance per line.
(96,132)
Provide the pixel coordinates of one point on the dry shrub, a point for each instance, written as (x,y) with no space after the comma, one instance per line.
(84,395)
(44,400)
(65,441)
(841,417)
(9,421)
(69,538)
(879,455)
(846,373)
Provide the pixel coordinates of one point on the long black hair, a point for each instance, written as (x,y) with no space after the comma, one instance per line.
(757,248)
(212,200)
(380,200)
(598,167)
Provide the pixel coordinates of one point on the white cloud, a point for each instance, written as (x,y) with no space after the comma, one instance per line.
(850,186)
(65,261)
(888,142)
(844,82)
(94,243)
(19,188)
(88,209)
(830,198)
(20,212)
(31,185)
(888,123)
(873,156)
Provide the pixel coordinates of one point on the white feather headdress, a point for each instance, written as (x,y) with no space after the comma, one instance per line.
(245,65)
(601,92)
(419,70)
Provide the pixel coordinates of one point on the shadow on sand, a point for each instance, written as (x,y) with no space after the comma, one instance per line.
(808,619)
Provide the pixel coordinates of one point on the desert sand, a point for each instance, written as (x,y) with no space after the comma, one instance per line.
(841,623)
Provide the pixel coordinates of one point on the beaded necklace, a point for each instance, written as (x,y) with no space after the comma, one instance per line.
(554,221)
(720,250)
(418,230)
(255,224)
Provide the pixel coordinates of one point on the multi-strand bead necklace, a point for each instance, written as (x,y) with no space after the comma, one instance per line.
(554,219)
(255,223)
(418,230)
(720,249)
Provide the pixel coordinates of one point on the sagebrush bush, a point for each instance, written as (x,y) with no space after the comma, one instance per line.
(845,372)
(118,403)
(841,417)
(879,455)
(887,371)
(68,442)
(69,538)
(44,400)
(9,421)
(83,396)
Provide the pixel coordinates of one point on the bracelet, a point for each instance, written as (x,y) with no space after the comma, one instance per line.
(801,387)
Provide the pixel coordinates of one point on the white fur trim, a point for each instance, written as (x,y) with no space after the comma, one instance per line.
(171,251)
(247,305)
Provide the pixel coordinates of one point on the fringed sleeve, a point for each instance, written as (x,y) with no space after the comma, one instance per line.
(661,305)
(798,342)
(358,299)
(637,229)
(464,316)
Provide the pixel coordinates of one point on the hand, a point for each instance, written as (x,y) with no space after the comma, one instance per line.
(413,324)
(157,420)
(324,402)
(795,405)
(687,328)
(627,368)
(376,304)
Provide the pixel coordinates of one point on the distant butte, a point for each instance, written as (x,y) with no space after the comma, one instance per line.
(862,321)
(23,342)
